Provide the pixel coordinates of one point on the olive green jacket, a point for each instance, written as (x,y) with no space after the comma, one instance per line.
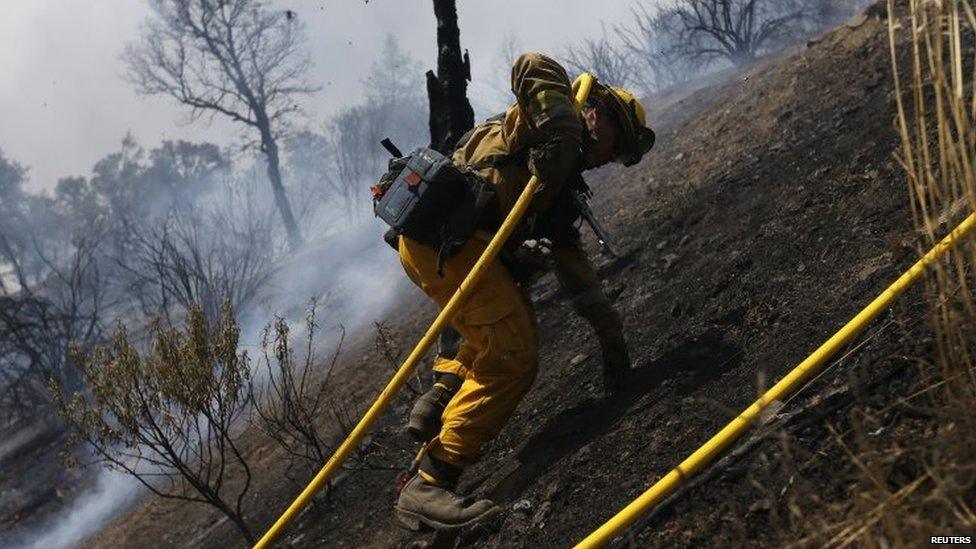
(541,135)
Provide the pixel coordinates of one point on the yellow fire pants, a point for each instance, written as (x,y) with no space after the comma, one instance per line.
(498,359)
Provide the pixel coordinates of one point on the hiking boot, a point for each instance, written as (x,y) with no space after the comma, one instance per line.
(426,501)
(425,417)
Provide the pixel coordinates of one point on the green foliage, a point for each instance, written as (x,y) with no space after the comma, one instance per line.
(190,372)
(167,416)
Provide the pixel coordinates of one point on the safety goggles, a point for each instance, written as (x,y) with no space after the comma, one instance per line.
(634,140)
(644,142)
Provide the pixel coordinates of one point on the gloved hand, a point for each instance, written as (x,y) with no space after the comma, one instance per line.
(544,158)
(535,253)
(530,261)
(553,162)
(616,363)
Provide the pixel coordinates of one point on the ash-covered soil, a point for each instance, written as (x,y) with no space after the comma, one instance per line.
(771,210)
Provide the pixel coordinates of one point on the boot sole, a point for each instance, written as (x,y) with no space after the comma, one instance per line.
(416,522)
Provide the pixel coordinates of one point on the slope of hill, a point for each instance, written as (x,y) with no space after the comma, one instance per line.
(771,210)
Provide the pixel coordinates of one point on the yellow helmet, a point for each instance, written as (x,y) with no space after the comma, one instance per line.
(630,113)
(638,138)
(628,98)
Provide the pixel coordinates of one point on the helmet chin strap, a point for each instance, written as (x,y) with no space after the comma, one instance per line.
(586,144)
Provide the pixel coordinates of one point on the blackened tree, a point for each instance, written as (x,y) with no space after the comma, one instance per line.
(451,114)
(653,38)
(236,58)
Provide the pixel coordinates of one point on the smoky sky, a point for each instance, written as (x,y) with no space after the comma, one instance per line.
(64,103)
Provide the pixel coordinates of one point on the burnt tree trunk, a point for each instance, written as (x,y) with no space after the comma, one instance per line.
(269,146)
(451,114)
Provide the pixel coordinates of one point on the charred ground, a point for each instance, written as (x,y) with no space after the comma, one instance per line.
(771,210)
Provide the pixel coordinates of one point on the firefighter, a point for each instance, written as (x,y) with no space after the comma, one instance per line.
(479,385)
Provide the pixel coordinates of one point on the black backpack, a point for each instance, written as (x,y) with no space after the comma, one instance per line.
(427,198)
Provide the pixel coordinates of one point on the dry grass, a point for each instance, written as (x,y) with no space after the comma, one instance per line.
(920,480)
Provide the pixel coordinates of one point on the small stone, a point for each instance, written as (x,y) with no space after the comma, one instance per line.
(801,267)
(679,156)
(743,263)
(684,240)
(578,359)
(583,455)
(761,505)
(856,21)
(660,245)
(522,506)
(615,292)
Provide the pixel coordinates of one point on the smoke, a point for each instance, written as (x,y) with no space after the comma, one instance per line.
(95,507)
(180,223)
(355,277)
(345,267)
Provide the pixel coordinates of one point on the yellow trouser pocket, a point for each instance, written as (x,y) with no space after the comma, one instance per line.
(501,330)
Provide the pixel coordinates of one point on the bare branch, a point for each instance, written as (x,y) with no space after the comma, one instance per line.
(236,58)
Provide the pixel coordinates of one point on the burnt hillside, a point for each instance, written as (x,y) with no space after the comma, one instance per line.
(771,210)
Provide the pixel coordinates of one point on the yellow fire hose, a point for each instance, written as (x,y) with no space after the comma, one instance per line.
(711,449)
(581,87)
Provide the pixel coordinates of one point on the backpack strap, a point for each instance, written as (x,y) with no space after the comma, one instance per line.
(496,119)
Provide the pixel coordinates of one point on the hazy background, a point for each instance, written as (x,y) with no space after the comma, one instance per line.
(114,207)
(64,103)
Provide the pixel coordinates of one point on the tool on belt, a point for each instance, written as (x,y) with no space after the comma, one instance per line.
(581,197)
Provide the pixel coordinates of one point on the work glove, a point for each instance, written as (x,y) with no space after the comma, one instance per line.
(616,363)
(535,253)
(553,162)
(530,260)
(543,158)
